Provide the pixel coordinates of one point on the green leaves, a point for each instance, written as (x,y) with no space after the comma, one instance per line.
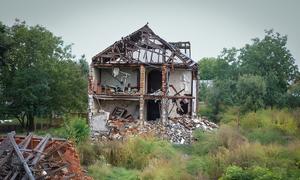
(39,75)
(251,91)
(256,76)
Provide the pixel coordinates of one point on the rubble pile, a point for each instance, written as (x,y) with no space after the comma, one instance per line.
(180,129)
(31,157)
(177,130)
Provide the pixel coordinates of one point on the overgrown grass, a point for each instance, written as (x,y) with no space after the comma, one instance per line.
(262,145)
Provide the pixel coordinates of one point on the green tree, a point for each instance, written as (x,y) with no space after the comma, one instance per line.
(251,90)
(222,93)
(270,58)
(40,76)
(215,68)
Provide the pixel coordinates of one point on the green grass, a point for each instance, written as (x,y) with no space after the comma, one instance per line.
(261,145)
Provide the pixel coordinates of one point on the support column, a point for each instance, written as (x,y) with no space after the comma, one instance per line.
(164,92)
(142,91)
(195,93)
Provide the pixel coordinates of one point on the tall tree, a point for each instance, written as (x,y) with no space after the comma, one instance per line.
(40,76)
(270,58)
(251,90)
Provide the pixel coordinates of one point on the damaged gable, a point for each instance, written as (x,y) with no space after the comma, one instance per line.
(144,46)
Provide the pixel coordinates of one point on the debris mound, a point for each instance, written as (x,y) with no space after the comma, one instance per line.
(32,157)
(177,130)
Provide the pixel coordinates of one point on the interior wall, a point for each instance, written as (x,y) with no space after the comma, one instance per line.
(108,79)
(181,79)
(132,107)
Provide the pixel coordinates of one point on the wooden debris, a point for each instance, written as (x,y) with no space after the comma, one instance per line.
(30,157)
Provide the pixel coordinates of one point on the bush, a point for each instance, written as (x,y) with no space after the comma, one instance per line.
(267,136)
(204,110)
(235,173)
(282,120)
(205,143)
(231,116)
(253,173)
(77,129)
(196,166)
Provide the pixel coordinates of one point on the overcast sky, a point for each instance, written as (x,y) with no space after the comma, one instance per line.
(209,25)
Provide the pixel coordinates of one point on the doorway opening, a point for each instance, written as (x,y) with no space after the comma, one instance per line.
(153,110)
(154,81)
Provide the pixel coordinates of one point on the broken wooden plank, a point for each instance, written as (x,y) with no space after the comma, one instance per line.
(20,155)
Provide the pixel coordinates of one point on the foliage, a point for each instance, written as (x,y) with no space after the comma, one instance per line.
(270,58)
(77,129)
(253,173)
(259,75)
(218,68)
(281,120)
(251,91)
(267,136)
(225,153)
(219,95)
(39,75)
(293,95)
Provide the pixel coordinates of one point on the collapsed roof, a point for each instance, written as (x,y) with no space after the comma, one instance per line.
(145,47)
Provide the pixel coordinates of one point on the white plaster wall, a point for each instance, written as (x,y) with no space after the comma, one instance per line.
(181,79)
(132,107)
(107,79)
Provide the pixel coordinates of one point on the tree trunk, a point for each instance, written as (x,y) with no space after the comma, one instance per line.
(30,121)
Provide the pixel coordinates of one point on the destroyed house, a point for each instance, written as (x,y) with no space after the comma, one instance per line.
(142,77)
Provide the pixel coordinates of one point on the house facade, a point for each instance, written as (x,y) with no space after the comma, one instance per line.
(142,77)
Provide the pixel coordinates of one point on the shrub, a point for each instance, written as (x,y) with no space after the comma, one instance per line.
(235,173)
(196,166)
(260,173)
(279,119)
(247,155)
(231,116)
(204,110)
(253,173)
(229,137)
(267,136)
(205,143)
(77,129)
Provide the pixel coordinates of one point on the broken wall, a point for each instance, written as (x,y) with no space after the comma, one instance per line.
(181,79)
(132,107)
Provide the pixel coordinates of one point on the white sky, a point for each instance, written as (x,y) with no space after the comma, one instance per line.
(209,25)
